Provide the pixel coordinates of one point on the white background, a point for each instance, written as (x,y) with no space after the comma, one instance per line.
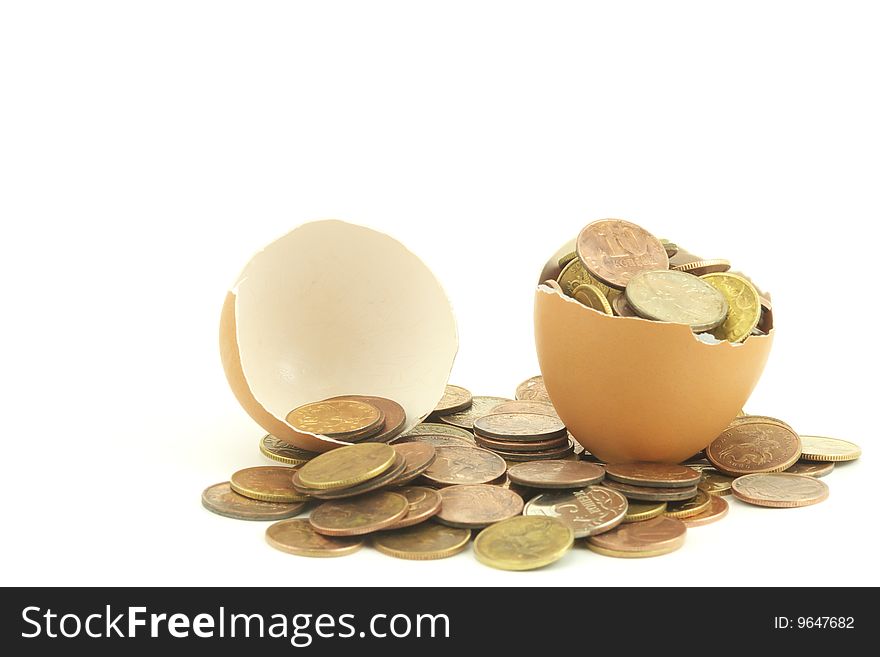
(148,149)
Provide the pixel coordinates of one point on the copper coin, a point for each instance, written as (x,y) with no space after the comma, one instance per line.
(691,507)
(300,538)
(359,515)
(543,455)
(342,419)
(478,505)
(650,538)
(614,250)
(715,483)
(222,500)
(651,493)
(532,390)
(283,452)
(526,406)
(522,445)
(395,418)
(700,267)
(622,308)
(436,441)
(424,503)
(465,465)
(388,478)
(779,489)
(418,456)
(754,444)
(588,511)
(556,474)
(436,429)
(270,483)
(454,399)
(479,407)
(662,475)
(519,426)
(716,510)
(811,468)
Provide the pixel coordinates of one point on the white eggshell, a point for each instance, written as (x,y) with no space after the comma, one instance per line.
(334,309)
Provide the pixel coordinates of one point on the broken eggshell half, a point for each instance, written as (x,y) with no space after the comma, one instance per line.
(631,389)
(333,309)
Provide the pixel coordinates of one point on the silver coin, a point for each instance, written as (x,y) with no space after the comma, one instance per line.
(674,296)
(588,511)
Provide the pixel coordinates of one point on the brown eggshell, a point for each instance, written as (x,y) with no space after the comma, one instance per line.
(335,309)
(630,389)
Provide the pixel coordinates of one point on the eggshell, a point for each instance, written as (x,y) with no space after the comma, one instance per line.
(334,309)
(630,389)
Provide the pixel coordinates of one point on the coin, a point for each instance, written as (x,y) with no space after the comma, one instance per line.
(671,248)
(359,515)
(691,507)
(222,500)
(754,444)
(523,543)
(592,297)
(639,511)
(547,454)
(622,308)
(300,538)
(766,321)
(820,448)
(673,296)
(651,493)
(716,510)
(743,302)
(779,489)
(556,474)
(394,414)
(269,483)
(423,504)
(436,429)
(587,511)
(574,274)
(347,466)
(522,445)
(465,465)
(455,399)
(283,452)
(436,441)
(520,427)
(663,475)
(422,542)
(479,407)
(418,456)
(341,419)
(525,406)
(391,477)
(477,505)
(811,469)
(650,538)
(568,257)
(700,267)
(614,250)
(715,483)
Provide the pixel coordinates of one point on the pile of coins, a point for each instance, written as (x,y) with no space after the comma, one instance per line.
(620,269)
(481,465)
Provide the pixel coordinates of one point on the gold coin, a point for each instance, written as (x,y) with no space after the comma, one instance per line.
(347,466)
(363,514)
(744,305)
(568,257)
(423,542)
(639,511)
(269,483)
(715,483)
(343,419)
(592,297)
(688,508)
(278,450)
(523,543)
(298,537)
(574,274)
(820,448)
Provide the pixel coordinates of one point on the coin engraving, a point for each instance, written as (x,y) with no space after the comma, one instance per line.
(588,511)
(298,537)
(614,250)
(477,505)
(672,296)
(335,417)
(779,489)
(754,444)
(465,465)
(744,305)
(523,543)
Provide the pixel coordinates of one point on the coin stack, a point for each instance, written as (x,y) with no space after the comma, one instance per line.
(424,496)
(351,418)
(618,268)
